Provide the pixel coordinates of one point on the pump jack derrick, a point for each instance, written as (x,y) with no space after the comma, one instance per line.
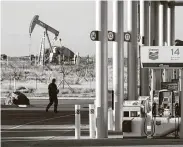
(42,51)
(47,28)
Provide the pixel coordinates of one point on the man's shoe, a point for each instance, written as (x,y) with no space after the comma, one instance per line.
(55,111)
(46,110)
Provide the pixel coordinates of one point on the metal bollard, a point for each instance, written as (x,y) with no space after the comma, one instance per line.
(92,120)
(77,122)
(110,119)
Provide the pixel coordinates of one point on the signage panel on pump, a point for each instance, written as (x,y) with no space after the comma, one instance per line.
(162,56)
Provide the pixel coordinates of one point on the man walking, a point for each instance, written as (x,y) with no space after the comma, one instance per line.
(53,91)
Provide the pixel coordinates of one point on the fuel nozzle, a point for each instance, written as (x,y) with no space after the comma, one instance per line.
(177,109)
(154,109)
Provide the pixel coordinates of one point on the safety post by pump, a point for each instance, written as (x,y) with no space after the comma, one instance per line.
(77,122)
(110,119)
(92,120)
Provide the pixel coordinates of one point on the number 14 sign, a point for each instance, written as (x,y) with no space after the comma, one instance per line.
(162,54)
(175,53)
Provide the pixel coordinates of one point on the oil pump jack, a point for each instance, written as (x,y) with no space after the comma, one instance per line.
(47,28)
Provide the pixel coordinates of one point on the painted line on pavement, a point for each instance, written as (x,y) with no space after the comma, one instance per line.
(39,121)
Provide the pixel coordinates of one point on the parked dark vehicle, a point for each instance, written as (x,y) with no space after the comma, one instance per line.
(17,98)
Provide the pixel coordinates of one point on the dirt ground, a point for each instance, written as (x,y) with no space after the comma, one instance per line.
(79,81)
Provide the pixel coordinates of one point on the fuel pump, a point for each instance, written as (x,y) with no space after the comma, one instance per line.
(166,109)
(166,101)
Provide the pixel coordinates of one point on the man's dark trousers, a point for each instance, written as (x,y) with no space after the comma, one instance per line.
(55,101)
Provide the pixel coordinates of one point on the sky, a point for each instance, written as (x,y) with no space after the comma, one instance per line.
(73,19)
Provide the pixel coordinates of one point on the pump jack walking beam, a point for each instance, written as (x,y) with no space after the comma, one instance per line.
(176,3)
(36,20)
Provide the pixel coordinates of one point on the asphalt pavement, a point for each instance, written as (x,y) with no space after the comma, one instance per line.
(23,127)
(29,127)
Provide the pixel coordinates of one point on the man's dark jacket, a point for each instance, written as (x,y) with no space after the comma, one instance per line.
(53,91)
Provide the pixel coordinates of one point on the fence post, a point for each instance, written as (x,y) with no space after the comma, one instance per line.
(92,120)
(10,84)
(77,122)
(14,87)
